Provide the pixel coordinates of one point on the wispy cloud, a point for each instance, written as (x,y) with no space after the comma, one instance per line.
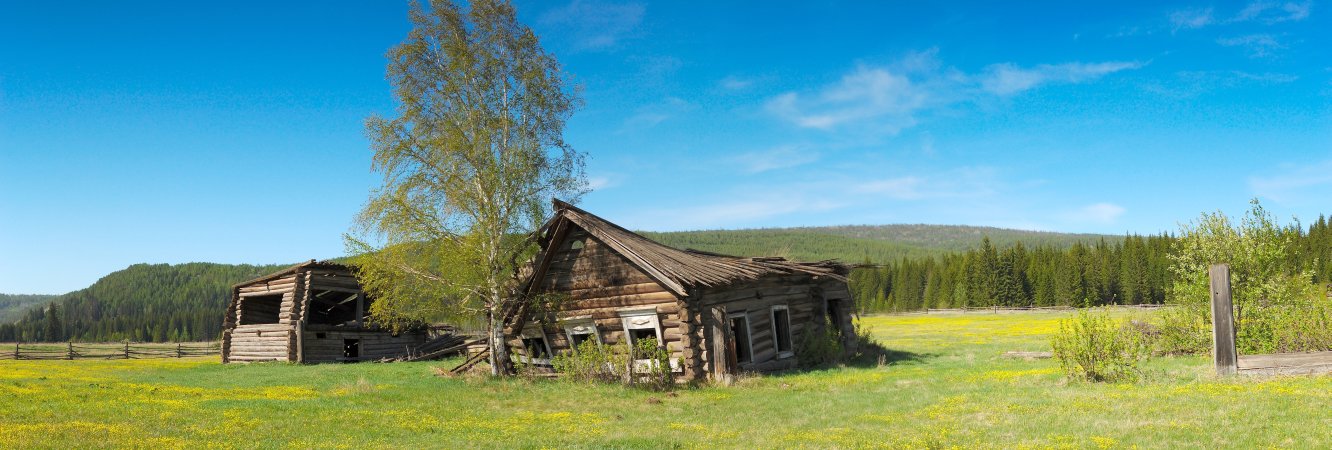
(1098,213)
(596,183)
(735,83)
(965,182)
(1257,45)
(1274,12)
(777,158)
(1294,183)
(1191,19)
(1009,79)
(888,98)
(651,115)
(595,25)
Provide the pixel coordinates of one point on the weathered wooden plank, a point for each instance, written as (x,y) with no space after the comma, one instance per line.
(1223,321)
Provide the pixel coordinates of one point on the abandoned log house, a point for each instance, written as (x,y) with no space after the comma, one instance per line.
(718,314)
(310,312)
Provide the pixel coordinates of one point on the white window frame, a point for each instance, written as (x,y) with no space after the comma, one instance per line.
(749,334)
(772,318)
(534,330)
(640,319)
(579,326)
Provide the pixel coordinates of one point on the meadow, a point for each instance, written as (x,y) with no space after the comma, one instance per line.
(945,385)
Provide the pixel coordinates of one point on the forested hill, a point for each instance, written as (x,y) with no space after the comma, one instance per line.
(859,243)
(143,302)
(12,306)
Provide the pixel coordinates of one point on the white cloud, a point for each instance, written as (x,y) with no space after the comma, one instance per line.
(1008,79)
(651,115)
(595,25)
(965,182)
(777,158)
(1294,183)
(1257,45)
(887,99)
(1274,12)
(748,211)
(1191,18)
(735,83)
(601,182)
(881,95)
(1100,213)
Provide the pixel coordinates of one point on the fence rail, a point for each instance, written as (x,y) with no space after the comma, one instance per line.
(1004,309)
(72,351)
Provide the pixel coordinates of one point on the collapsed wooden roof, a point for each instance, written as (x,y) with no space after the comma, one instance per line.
(677,270)
(311,264)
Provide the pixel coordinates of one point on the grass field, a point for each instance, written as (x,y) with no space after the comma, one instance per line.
(947,387)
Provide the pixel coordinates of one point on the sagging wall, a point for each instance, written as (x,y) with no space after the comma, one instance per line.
(600,286)
(805,299)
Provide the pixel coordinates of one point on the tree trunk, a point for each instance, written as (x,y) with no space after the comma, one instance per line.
(500,364)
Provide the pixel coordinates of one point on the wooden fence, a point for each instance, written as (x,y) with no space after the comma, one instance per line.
(1010,309)
(71,351)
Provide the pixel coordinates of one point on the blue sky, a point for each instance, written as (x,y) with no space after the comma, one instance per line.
(233,132)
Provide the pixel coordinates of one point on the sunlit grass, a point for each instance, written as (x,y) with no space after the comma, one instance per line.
(946,386)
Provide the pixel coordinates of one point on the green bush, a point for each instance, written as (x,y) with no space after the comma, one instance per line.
(1094,347)
(646,364)
(818,347)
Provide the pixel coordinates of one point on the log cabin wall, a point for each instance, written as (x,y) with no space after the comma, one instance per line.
(320,345)
(260,320)
(598,285)
(755,300)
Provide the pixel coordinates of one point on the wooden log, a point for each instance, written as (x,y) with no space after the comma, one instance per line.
(264,293)
(612,291)
(621,301)
(1223,321)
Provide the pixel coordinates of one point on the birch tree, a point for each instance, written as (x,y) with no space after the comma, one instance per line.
(469,166)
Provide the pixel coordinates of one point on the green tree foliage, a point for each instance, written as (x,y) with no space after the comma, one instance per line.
(143,302)
(469,166)
(1079,275)
(1277,307)
(12,306)
(1094,347)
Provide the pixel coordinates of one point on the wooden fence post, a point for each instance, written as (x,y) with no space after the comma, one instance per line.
(178,350)
(1223,322)
(16,350)
(70,355)
(127,350)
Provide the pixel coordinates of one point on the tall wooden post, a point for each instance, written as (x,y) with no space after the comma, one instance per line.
(1223,322)
(70,354)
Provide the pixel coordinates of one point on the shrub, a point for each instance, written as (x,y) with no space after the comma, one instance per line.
(646,364)
(818,347)
(1095,348)
(1182,331)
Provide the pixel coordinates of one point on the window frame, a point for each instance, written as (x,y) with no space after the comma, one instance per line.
(641,319)
(749,335)
(776,338)
(534,330)
(582,325)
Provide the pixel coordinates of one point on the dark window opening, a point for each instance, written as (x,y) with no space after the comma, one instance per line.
(781,319)
(642,333)
(334,308)
(536,347)
(576,340)
(351,348)
(740,330)
(260,309)
(834,315)
(321,335)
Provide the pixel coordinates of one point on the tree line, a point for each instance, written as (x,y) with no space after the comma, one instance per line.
(142,303)
(1135,270)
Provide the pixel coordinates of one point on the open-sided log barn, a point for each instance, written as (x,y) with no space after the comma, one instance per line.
(311,312)
(717,314)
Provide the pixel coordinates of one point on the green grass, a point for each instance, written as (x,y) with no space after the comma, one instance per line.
(945,386)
